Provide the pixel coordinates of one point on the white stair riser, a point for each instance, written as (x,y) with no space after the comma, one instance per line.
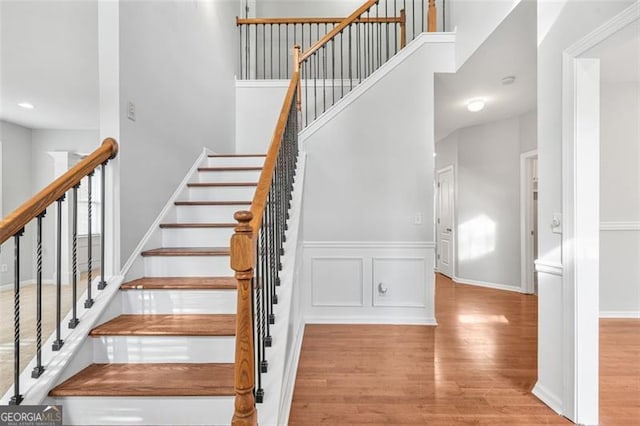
(229,176)
(179,302)
(236,161)
(155,349)
(222,193)
(208,214)
(187,266)
(196,237)
(130,410)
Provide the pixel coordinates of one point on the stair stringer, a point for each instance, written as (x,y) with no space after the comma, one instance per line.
(283,354)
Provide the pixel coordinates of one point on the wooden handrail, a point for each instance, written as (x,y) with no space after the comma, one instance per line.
(331,34)
(20,217)
(264,183)
(295,21)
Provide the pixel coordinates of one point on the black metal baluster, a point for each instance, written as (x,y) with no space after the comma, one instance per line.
(324,79)
(350,75)
(422,14)
(16,399)
(333,71)
(254,286)
(413,19)
(264,52)
(271,51)
(315,86)
(395,32)
(341,65)
(102,284)
(444,15)
(260,317)
(358,53)
(247,52)
(386,15)
(58,343)
(255,48)
(265,289)
(89,302)
(74,321)
(38,369)
(305,70)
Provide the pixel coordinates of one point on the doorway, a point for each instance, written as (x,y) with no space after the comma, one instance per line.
(445,221)
(529,220)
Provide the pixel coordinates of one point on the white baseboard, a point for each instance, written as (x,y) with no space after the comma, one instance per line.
(369,320)
(486,284)
(290,377)
(547,397)
(620,314)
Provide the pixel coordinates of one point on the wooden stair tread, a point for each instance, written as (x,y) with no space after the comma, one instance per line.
(188,251)
(220,184)
(181,283)
(230,169)
(168,325)
(235,155)
(212,203)
(144,379)
(198,225)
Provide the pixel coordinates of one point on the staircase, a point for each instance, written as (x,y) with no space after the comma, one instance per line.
(168,357)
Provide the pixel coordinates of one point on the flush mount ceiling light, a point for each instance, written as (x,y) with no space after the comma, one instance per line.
(26,105)
(475,105)
(510,79)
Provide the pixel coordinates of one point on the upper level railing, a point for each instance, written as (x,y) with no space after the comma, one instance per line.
(265,43)
(14,224)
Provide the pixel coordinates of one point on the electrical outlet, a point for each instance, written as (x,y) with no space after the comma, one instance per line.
(556,223)
(417,219)
(4,267)
(131,111)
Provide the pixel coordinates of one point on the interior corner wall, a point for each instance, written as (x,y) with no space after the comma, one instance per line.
(475,21)
(560,24)
(486,158)
(620,199)
(16,189)
(177,66)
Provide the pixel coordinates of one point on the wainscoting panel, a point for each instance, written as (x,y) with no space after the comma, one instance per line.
(341,282)
(336,281)
(399,282)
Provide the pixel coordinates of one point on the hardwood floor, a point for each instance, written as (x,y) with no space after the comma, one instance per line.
(476,367)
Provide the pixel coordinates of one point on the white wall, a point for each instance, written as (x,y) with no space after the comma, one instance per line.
(620,199)
(487,163)
(369,173)
(560,24)
(16,189)
(475,21)
(43,173)
(258,105)
(177,65)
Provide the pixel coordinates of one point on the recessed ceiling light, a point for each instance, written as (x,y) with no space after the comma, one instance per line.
(510,79)
(475,105)
(26,105)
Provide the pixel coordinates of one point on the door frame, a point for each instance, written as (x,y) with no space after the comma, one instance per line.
(451,168)
(527,269)
(580,206)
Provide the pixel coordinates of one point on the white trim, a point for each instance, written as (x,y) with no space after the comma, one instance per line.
(373,79)
(289,379)
(371,244)
(359,260)
(367,319)
(547,397)
(276,84)
(580,207)
(620,314)
(487,284)
(155,226)
(620,226)
(527,270)
(550,268)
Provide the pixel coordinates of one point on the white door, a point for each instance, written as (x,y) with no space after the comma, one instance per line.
(444,222)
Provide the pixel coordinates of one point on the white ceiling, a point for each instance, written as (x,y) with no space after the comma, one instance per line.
(509,50)
(49,57)
(619,55)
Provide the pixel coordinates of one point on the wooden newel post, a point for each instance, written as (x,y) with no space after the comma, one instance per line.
(432,25)
(296,68)
(242,262)
(403,28)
